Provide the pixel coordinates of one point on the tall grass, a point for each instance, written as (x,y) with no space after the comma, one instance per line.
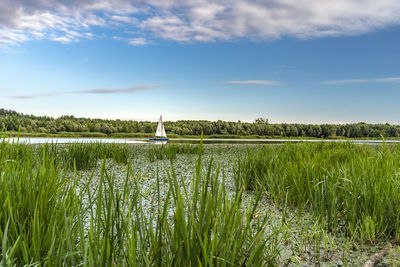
(83,156)
(120,153)
(35,202)
(49,220)
(170,151)
(202,228)
(354,188)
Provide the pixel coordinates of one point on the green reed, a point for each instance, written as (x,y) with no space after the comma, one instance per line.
(170,151)
(36,201)
(354,188)
(86,155)
(49,218)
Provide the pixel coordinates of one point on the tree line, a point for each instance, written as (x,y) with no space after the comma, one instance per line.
(14,121)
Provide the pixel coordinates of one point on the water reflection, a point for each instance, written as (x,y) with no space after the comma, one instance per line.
(158,142)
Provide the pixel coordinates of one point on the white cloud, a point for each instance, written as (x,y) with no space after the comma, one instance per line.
(254,82)
(389,80)
(59,28)
(63,39)
(375,80)
(195,20)
(124,19)
(132,89)
(31,96)
(137,41)
(12,37)
(219,20)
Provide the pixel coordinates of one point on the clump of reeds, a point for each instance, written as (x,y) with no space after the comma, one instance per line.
(206,227)
(354,188)
(38,207)
(170,151)
(86,155)
(46,219)
(120,153)
(81,156)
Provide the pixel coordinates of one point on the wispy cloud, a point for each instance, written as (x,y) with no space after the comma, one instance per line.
(63,39)
(120,20)
(12,37)
(139,41)
(389,80)
(32,23)
(193,20)
(132,89)
(31,96)
(374,80)
(254,82)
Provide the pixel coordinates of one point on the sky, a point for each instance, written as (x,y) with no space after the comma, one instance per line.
(291,61)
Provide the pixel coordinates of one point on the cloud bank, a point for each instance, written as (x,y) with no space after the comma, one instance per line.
(68,21)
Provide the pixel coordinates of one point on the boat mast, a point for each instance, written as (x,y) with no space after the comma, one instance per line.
(162,127)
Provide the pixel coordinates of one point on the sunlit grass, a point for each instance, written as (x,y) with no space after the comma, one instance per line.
(353,188)
(169,151)
(50,218)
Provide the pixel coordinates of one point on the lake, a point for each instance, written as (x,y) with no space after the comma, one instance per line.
(43,140)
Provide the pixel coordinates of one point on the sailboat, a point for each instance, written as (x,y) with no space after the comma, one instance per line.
(160,134)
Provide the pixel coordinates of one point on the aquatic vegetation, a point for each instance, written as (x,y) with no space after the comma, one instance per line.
(38,208)
(169,151)
(354,189)
(193,205)
(83,156)
(50,216)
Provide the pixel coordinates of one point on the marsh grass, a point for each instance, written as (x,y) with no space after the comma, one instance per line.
(354,189)
(48,219)
(35,201)
(118,152)
(170,151)
(84,156)
(81,156)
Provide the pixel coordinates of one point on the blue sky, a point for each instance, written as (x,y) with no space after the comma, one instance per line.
(285,60)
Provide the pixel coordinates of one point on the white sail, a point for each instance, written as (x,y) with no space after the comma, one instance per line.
(160,132)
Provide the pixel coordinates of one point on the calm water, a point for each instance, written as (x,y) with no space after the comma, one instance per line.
(37,140)
(266,141)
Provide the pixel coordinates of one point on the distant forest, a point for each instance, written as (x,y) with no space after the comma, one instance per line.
(13,121)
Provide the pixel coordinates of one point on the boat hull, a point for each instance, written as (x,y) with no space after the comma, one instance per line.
(158,139)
